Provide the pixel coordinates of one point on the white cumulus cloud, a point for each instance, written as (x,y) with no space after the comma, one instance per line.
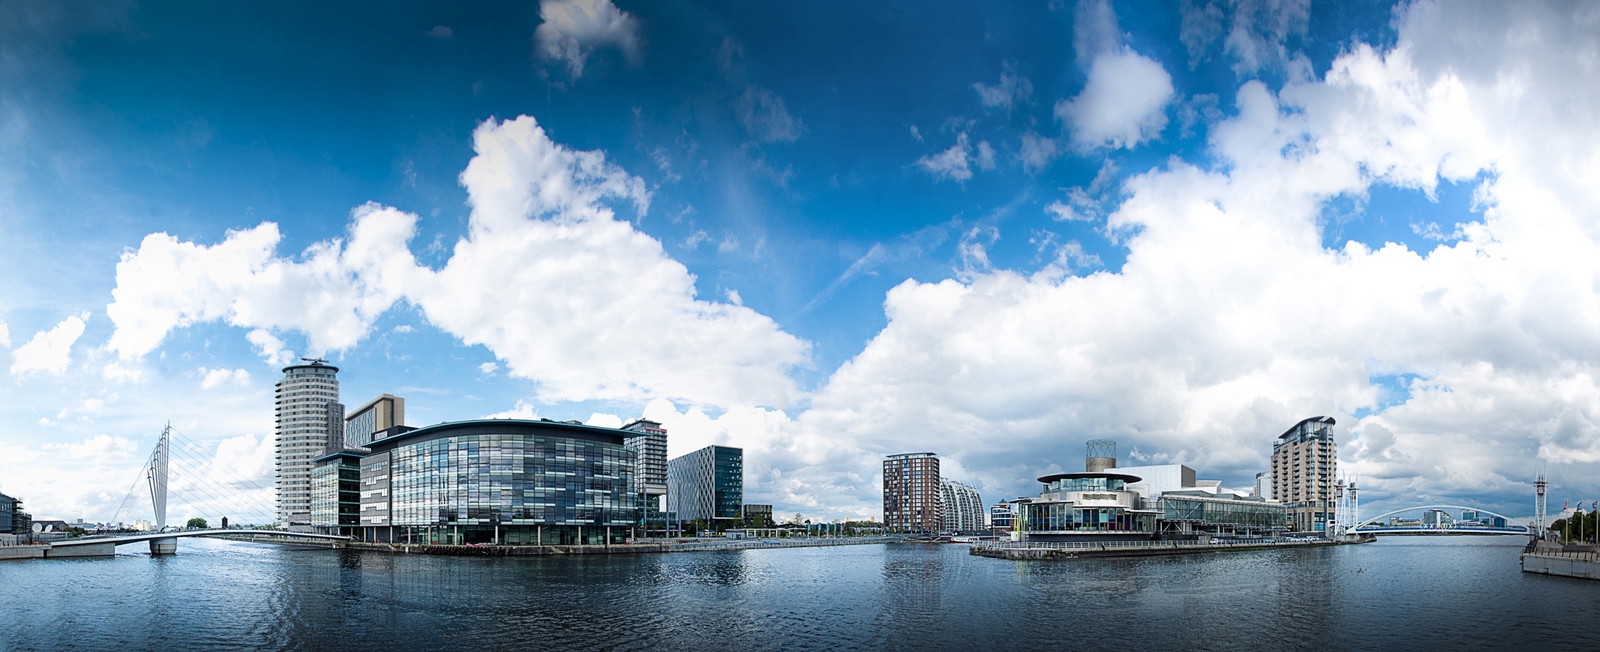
(49,351)
(1123,104)
(546,278)
(573,29)
(211,378)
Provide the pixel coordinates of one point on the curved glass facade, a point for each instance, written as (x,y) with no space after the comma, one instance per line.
(1086,484)
(1065,517)
(513,488)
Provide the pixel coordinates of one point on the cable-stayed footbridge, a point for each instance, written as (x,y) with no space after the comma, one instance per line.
(206,486)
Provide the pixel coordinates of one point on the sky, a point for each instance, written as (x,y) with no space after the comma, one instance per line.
(824,232)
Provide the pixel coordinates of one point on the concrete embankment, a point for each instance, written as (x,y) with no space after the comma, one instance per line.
(1025,551)
(22,552)
(640,547)
(1547,558)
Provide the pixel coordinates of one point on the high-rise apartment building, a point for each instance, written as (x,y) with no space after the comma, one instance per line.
(650,472)
(962,508)
(911,495)
(310,421)
(1304,461)
(365,423)
(707,484)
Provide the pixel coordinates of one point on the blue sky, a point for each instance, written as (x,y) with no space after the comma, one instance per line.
(977,229)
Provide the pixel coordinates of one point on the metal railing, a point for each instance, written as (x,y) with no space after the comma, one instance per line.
(1123,545)
(785,542)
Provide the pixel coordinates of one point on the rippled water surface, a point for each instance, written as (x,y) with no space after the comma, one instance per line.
(1399,593)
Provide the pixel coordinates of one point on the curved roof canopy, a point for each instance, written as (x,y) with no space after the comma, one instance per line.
(1074,476)
(501,427)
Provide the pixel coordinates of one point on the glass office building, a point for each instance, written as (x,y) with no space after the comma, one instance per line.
(336,493)
(511,482)
(707,484)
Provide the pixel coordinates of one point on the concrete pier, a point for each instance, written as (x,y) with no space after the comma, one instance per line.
(164,546)
(107,549)
(22,552)
(1548,558)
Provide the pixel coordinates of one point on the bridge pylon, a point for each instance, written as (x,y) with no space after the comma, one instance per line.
(156,475)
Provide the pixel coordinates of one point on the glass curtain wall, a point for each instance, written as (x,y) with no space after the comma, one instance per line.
(1263,516)
(513,489)
(1063,517)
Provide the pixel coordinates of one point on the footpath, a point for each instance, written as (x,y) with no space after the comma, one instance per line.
(1038,550)
(631,548)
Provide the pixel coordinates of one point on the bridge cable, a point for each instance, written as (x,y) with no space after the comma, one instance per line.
(196,454)
(240,476)
(136,485)
(192,475)
(235,487)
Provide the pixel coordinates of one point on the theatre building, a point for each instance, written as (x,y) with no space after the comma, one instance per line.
(1085,507)
(512,482)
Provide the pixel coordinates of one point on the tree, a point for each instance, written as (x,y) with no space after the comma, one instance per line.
(196,523)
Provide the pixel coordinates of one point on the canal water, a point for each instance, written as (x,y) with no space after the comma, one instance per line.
(1399,593)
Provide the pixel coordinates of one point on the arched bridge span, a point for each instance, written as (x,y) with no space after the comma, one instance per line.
(1374,525)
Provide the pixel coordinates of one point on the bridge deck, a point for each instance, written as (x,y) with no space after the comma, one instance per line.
(90,541)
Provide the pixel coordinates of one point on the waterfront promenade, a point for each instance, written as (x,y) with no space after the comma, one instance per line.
(1039,550)
(646,546)
(1549,558)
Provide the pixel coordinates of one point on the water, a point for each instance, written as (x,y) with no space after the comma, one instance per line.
(1403,592)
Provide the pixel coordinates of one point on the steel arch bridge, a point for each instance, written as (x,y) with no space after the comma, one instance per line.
(1372,525)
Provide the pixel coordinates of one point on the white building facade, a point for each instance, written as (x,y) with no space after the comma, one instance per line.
(963,508)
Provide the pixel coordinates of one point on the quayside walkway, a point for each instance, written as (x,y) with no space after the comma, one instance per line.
(638,547)
(1024,550)
(1550,558)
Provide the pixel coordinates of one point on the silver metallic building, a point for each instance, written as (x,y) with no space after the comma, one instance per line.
(707,484)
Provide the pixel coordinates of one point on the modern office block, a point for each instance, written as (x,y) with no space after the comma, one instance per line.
(310,421)
(372,419)
(911,494)
(707,484)
(1304,463)
(1001,516)
(962,507)
(501,481)
(336,493)
(375,494)
(8,510)
(758,516)
(649,441)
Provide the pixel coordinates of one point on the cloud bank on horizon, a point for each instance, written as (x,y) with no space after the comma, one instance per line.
(1457,356)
